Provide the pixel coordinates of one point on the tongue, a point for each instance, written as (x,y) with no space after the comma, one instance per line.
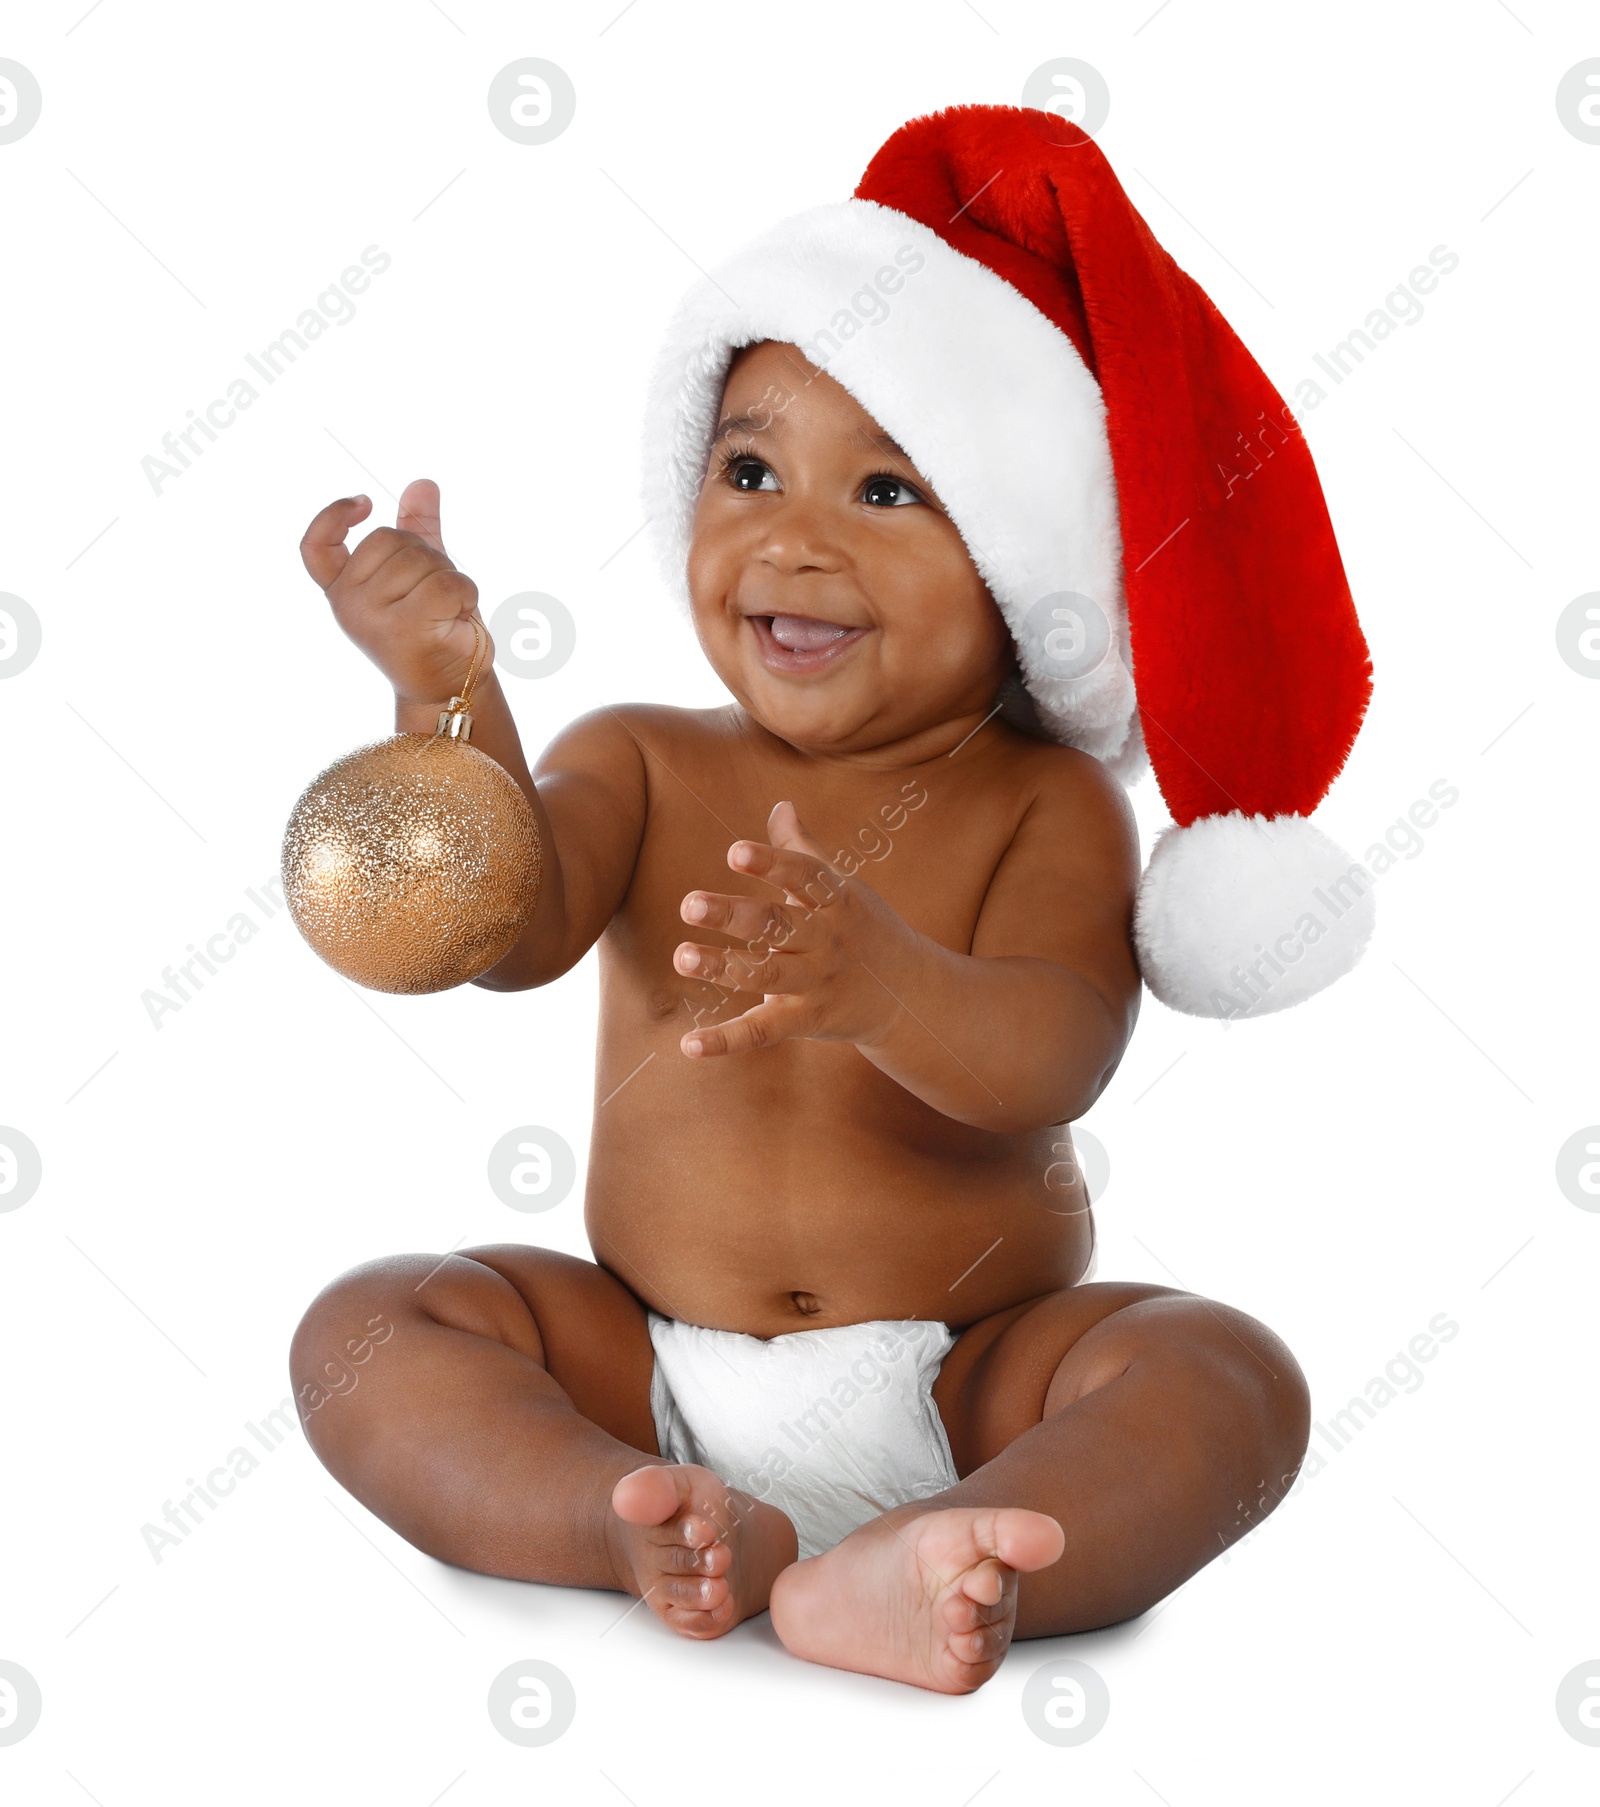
(801,635)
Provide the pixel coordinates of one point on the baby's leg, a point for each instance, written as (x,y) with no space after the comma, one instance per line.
(503,1423)
(1153,1427)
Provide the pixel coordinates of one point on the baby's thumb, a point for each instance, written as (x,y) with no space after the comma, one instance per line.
(787,830)
(419,512)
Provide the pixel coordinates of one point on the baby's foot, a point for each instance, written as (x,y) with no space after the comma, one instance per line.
(701,1554)
(925,1598)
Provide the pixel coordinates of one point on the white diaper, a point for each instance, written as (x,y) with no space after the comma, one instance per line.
(834,1426)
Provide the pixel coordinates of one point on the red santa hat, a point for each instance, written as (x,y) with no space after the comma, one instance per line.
(1131,487)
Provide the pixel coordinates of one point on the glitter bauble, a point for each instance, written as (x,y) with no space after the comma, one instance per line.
(412,865)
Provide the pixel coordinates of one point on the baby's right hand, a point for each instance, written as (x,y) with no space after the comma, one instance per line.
(398,596)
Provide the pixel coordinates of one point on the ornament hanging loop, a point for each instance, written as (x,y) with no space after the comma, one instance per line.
(455,723)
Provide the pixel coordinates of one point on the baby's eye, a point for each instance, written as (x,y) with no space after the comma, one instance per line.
(888,492)
(750,474)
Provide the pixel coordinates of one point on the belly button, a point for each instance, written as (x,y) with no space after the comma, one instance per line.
(807,1303)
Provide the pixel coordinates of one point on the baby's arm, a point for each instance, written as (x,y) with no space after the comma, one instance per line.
(1047,999)
(1022,1032)
(404,603)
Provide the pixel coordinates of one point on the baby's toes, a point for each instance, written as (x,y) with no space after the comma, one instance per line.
(690,1576)
(961,1614)
(694,1619)
(985,1583)
(712,1558)
(693,1593)
(647,1496)
(673,1558)
(694,1530)
(985,1596)
(985,1645)
(978,1615)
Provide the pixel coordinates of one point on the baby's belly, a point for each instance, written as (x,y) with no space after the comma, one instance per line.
(775,1200)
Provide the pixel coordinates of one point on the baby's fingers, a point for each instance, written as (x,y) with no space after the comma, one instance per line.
(735,970)
(747,918)
(776,1020)
(322,550)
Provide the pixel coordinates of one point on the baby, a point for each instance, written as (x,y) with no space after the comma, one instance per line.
(865,952)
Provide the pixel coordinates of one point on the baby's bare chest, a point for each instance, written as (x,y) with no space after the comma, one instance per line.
(929,846)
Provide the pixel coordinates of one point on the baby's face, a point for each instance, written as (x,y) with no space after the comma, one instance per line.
(831,592)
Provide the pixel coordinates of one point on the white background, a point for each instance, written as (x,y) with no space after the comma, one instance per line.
(1345,1171)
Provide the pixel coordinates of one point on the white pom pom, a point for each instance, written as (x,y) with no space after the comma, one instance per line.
(1240,915)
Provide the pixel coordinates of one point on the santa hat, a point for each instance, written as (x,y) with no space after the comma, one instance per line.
(1130,486)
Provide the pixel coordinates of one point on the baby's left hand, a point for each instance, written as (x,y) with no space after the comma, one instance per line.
(827,961)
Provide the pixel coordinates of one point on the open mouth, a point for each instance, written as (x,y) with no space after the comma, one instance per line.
(801,643)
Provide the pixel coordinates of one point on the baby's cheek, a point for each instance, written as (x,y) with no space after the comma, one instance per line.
(713,577)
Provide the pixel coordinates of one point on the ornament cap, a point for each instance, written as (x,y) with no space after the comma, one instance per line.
(455,723)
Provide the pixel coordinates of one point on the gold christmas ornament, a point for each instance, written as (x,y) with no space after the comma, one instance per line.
(413,865)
